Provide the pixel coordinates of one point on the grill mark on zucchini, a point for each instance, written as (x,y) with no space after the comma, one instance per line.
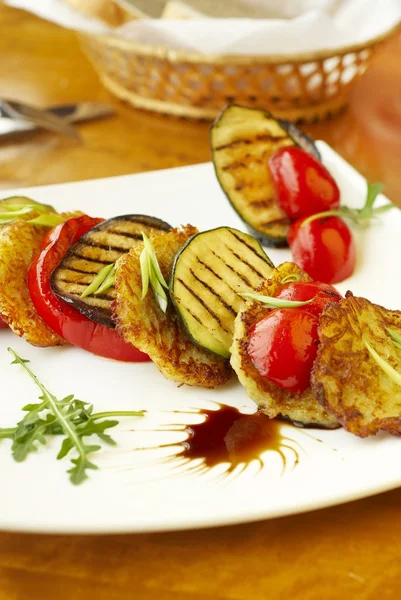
(233,166)
(211,290)
(262,203)
(202,303)
(209,268)
(283,221)
(240,275)
(251,267)
(251,248)
(246,142)
(209,273)
(194,316)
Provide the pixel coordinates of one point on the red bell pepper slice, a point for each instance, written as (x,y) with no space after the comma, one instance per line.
(61,317)
(3,325)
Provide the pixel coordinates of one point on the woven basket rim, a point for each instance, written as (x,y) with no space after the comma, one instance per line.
(173,55)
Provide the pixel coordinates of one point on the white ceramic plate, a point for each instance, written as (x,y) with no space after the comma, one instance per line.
(134,490)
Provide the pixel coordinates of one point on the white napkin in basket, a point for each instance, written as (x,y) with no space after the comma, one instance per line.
(315,25)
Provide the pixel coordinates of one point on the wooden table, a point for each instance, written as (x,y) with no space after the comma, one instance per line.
(351,550)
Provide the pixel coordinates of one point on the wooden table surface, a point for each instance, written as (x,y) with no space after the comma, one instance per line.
(351,550)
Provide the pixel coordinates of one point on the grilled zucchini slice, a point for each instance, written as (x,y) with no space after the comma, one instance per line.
(346,379)
(272,399)
(242,141)
(103,245)
(161,335)
(208,273)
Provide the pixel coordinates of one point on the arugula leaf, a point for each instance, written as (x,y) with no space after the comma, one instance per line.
(69,417)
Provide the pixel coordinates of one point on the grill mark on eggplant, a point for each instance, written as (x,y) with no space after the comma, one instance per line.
(126,234)
(75,270)
(212,291)
(104,297)
(62,280)
(205,306)
(240,275)
(251,248)
(92,260)
(107,247)
(242,259)
(145,220)
(263,137)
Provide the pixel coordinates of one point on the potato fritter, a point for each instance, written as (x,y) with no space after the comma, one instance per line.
(162,336)
(346,379)
(19,242)
(272,399)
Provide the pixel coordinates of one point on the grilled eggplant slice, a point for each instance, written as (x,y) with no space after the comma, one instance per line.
(273,400)
(159,334)
(19,242)
(103,245)
(242,141)
(346,379)
(208,273)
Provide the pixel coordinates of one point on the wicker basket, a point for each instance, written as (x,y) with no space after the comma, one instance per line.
(303,88)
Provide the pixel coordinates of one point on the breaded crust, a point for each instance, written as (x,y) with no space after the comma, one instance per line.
(19,242)
(162,336)
(272,399)
(346,379)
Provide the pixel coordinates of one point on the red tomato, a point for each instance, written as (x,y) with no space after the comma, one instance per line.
(60,316)
(302,184)
(301,291)
(324,248)
(2,324)
(283,347)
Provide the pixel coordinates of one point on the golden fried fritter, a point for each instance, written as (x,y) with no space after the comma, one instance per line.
(346,379)
(272,399)
(19,242)
(162,336)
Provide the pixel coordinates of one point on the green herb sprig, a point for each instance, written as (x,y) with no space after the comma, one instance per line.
(359,216)
(151,274)
(272,302)
(103,281)
(395,337)
(292,278)
(383,364)
(69,417)
(46,218)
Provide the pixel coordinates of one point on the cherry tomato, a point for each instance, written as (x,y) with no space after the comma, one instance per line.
(2,324)
(324,248)
(300,291)
(302,184)
(64,319)
(283,347)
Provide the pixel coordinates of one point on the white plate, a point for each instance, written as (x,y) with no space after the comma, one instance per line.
(133,490)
